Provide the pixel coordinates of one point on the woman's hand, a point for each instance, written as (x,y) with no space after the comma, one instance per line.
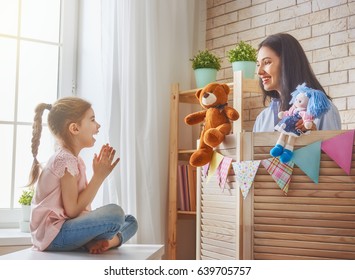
(104,163)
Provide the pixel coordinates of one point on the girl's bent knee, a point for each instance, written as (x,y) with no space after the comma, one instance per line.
(113,213)
(115,209)
(133,222)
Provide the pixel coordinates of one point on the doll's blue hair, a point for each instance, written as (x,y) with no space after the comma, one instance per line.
(318,103)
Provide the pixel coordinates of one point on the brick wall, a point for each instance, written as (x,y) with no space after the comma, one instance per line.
(325,29)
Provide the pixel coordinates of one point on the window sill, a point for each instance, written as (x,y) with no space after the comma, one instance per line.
(14,237)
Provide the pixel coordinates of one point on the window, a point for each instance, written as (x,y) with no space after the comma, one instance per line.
(37,54)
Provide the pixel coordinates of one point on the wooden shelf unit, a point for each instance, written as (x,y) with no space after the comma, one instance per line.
(175,156)
(219,213)
(238,87)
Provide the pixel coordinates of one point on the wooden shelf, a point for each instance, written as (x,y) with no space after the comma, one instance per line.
(184,155)
(178,96)
(218,212)
(187,213)
(190,151)
(176,155)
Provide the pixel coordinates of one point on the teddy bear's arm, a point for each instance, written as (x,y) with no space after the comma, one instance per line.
(231,113)
(195,118)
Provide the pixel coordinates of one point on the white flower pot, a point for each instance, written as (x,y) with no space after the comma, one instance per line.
(24,226)
(26,215)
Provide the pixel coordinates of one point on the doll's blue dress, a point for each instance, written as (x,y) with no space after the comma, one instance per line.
(288,125)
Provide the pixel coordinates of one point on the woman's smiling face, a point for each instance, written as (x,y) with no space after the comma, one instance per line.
(269,69)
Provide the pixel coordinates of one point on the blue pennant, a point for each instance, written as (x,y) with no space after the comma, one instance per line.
(308,160)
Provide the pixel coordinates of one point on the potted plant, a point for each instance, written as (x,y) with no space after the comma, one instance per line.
(243,58)
(205,65)
(25,201)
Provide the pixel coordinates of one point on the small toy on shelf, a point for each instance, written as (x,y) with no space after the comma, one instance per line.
(307,104)
(217,116)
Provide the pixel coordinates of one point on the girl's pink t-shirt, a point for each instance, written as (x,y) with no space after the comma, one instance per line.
(48,213)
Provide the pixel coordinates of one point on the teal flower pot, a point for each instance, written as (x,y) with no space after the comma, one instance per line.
(205,76)
(247,67)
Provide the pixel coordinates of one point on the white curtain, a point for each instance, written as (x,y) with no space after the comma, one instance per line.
(130,51)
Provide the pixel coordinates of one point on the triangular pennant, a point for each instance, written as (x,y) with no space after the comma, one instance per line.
(280,172)
(245,172)
(205,169)
(340,149)
(223,171)
(215,161)
(308,160)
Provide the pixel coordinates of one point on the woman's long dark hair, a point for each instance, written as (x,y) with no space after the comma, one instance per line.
(295,67)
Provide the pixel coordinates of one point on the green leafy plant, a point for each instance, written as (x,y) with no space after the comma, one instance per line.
(242,52)
(26,197)
(206,59)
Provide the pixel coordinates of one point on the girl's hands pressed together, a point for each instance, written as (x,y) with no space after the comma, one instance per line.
(104,163)
(75,202)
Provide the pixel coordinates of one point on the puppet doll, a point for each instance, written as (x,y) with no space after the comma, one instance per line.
(307,104)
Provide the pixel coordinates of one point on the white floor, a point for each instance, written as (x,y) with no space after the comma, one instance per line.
(126,252)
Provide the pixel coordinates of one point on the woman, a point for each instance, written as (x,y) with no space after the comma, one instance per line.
(282,65)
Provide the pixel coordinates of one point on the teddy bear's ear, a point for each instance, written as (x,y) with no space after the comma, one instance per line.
(198,93)
(226,88)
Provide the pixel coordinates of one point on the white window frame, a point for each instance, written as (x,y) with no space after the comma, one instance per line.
(9,218)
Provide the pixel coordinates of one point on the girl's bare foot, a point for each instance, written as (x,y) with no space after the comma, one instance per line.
(97,246)
(100,246)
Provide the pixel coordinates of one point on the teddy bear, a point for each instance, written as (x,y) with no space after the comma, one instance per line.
(217,117)
(307,104)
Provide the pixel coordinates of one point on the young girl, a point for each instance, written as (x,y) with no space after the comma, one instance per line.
(61,218)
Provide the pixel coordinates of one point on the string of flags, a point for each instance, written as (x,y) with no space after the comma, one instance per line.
(339,148)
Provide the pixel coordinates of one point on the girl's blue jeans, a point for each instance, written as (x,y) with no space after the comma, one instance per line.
(102,223)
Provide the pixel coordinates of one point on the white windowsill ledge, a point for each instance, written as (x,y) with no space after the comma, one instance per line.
(14,237)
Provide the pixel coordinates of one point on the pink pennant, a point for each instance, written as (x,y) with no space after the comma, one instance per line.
(205,169)
(223,170)
(340,149)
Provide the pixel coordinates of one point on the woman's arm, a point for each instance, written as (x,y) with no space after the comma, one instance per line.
(330,120)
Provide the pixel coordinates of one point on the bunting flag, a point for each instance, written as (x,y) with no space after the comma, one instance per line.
(215,162)
(308,160)
(222,171)
(205,170)
(280,172)
(340,149)
(245,172)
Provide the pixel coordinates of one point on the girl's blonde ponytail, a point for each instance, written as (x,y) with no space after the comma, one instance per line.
(36,136)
